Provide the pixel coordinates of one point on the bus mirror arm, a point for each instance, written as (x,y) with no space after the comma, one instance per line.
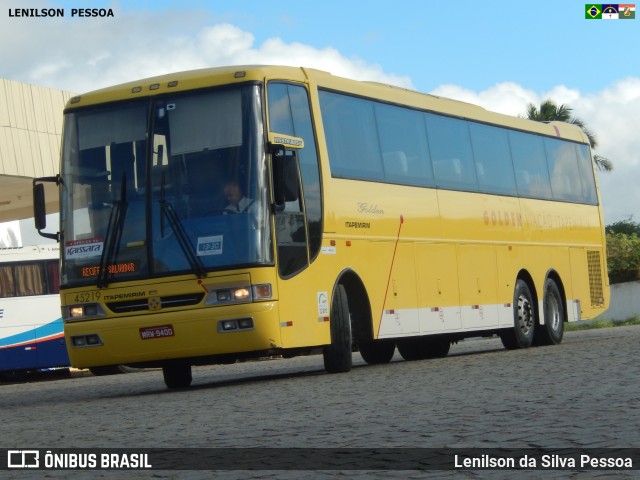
(39,206)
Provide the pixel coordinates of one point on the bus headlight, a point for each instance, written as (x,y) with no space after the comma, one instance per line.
(82,312)
(249,293)
(242,294)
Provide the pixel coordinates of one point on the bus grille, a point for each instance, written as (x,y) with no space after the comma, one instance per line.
(165,302)
(595,277)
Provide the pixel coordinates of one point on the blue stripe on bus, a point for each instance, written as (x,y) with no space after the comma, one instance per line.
(54,328)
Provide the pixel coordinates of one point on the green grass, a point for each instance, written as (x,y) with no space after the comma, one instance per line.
(604,323)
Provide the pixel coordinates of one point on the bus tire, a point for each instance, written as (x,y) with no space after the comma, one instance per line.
(553,329)
(437,347)
(421,348)
(337,355)
(377,351)
(177,375)
(411,349)
(524,319)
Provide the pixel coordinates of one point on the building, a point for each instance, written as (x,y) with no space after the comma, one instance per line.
(30,139)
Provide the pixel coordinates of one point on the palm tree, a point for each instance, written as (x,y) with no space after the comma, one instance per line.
(549,111)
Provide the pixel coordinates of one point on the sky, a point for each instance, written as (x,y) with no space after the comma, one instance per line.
(499,54)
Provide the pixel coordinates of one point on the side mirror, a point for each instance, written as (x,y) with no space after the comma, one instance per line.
(39,206)
(285,178)
(285,168)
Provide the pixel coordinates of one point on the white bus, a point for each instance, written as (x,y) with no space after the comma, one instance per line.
(31,329)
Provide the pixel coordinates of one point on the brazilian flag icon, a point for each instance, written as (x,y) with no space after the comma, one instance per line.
(593,11)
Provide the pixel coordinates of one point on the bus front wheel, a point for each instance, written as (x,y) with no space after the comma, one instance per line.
(177,375)
(337,355)
(524,319)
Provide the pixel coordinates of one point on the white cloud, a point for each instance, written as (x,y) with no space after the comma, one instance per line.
(85,55)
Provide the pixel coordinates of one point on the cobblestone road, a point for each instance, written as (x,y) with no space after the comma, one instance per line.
(582,394)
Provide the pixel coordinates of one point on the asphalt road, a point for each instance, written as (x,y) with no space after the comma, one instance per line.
(582,394)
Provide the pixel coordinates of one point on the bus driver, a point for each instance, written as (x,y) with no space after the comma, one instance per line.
(238,203)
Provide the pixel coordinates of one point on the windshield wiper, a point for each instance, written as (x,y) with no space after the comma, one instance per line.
(113,235)
(183,239)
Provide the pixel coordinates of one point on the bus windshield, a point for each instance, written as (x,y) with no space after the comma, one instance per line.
(169,185)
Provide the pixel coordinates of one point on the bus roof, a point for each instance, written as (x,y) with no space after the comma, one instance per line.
(210,77)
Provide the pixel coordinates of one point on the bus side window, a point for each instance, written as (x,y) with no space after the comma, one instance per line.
(53,276)
(403,142)
(29,279)
(7,286)
(588,192)
(563,167)
(529,156)
(447,171)
(395,163)
(492,155)
(451,152)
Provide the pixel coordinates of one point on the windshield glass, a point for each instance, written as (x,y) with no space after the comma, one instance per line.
(168,186)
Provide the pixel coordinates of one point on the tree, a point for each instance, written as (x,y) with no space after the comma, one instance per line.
(623,251)
(623,257)
(628,227)
(549,112)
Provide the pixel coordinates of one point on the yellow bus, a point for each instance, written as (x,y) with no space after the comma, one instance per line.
(237,212)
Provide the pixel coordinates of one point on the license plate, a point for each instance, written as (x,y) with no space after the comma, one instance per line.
(149,333)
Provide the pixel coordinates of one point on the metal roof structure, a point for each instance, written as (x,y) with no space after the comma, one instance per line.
(30,138)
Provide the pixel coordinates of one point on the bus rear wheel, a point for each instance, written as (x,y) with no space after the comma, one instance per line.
(377,351)
(177,375)
(337,355)
(553,329)
(524,319)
